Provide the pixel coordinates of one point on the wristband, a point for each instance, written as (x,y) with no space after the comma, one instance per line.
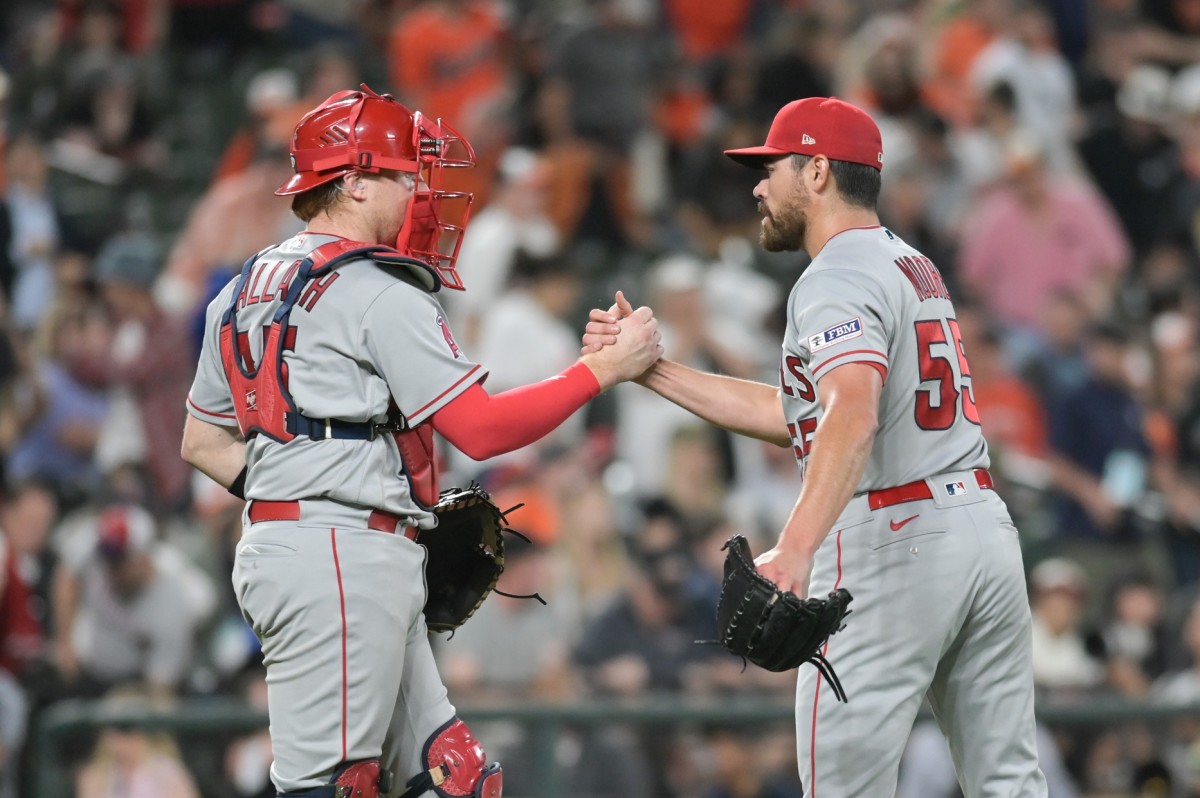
(238,486)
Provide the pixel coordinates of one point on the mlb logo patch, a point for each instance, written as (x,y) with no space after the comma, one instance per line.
(251,400)
(838,332)
(955,488)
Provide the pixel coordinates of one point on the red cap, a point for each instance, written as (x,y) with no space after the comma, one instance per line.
(122,530)
(818,126)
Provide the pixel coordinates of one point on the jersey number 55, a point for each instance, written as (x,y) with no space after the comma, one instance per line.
(937,353)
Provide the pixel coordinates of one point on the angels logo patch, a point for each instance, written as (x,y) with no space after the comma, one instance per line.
(441,322)
(838,332)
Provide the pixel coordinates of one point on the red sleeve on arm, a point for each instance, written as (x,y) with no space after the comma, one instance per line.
(481,426)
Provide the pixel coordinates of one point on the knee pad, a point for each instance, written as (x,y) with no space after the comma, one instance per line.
(457,766)
(365,779)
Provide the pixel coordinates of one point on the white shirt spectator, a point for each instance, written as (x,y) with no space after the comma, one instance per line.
(139,629)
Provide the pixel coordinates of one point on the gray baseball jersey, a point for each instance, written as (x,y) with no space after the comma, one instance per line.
(926,547)
(337,605)
(364,335)
(847,308)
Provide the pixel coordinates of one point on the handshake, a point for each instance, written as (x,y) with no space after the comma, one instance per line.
(621,343)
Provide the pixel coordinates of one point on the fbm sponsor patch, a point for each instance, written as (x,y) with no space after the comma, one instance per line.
(838,332)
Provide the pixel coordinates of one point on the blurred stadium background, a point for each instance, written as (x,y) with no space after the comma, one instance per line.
(1045,154)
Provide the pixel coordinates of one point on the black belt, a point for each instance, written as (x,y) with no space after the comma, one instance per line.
(319,429)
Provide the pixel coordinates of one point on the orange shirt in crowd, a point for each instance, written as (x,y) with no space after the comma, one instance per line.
(681,115)
(708,29)
(443,61)
(955,50)
(1011,415)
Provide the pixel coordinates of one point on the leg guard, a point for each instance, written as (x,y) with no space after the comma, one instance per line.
(365,779)
(457,766)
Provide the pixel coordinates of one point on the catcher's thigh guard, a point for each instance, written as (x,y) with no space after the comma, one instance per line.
(457,766)
(365,779)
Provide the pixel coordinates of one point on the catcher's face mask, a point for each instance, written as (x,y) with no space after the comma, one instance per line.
(368,132)
(437,215)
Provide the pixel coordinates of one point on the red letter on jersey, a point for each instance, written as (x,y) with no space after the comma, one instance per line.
(315,290)
(796,369)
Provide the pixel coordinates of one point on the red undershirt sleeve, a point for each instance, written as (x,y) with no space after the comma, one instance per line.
(481,426)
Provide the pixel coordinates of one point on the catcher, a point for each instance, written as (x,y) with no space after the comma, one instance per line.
(327,365)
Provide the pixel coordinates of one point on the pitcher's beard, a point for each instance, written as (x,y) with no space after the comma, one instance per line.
(785,231)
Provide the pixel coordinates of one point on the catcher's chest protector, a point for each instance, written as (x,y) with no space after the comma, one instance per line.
(262,403)
(261,399)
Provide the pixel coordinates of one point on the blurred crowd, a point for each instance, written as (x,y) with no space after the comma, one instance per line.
(1045,154)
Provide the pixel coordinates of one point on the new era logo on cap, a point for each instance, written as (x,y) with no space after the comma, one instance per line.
(807,139)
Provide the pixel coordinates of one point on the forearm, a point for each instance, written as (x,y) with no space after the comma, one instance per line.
(481,426)
(746,407)
(841,448)
(64,597)
(218,452)
(1072,480)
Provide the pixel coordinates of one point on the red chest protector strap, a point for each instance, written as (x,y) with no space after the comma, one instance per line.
(264,406)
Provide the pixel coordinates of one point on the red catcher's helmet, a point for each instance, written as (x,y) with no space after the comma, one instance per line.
(368,132)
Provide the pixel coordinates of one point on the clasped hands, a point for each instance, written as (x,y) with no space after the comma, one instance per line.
(621,343)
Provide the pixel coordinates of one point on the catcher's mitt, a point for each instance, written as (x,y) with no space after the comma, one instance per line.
(775,630)
(466,555)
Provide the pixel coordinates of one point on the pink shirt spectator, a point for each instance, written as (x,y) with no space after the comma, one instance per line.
(1015,257)
(154,774)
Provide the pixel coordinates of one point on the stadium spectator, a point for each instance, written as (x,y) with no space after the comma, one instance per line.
(520,647)
(1011,412)
(956,45)
(1025,56)
(34,235)
(1181,687)
(1133,160)
(129,762)
(534,310)
(646,426)
(644,643)
(742,767)
(449,59)
(60,431)
(1063,666)
(621,109)
(516,220)
(592,561)
(1134,634)
(147,355)
(24,524)
(127,608)
(1099,454)
(1035,236)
